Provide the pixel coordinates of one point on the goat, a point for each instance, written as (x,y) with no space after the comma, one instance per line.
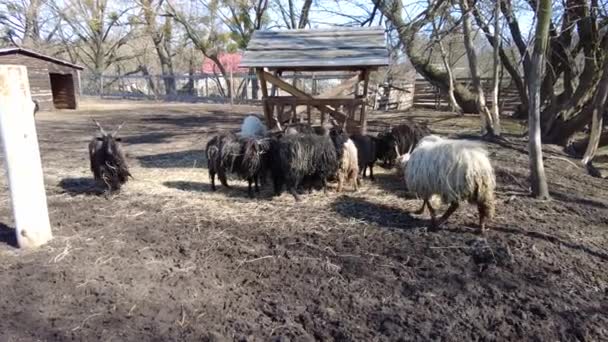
(400,138)
(108,162)
(455,170)
(248,158)
(302,157)
(346,152)
(366,153)
(213,151)
(252,126)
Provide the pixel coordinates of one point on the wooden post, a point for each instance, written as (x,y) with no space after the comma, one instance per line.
(22,158)
(206,86)
(308,114)
(231,88)
(263,85)
(363,122)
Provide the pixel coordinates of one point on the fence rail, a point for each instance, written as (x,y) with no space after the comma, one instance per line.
(198,87)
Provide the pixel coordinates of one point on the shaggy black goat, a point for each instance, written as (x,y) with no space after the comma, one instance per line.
(213,151)
(302,157)
(401,138)
(247,157)
(108,162)
(366,153)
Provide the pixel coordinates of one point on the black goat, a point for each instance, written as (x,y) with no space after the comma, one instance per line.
(366,153)
(213,151)
(247,157)
(108,162)
(401,138)
(302,157)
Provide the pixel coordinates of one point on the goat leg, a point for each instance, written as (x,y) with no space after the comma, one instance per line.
(483,213)
(293,191)
(371,172)
(212,177)
(448,213)
(249,181)
(257,188)
(340,181)
(355,179)
(222,176)
(421,210)
(434,225)
(364,169)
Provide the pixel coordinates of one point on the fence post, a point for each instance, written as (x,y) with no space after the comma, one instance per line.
(22,158)
(231,88)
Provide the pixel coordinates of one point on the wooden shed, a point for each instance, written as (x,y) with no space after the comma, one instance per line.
(54,83)
(352,49)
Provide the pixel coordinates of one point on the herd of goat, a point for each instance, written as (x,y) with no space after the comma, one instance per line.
(302,157)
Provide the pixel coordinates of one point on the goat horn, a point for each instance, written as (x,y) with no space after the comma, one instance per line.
(410,149)
(397,151)
(99,126)
(118,129)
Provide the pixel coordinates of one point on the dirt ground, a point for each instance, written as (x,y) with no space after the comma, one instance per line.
(168,260)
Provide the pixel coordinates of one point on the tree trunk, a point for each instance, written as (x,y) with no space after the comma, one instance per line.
(599,107)
(407,34)
(454,107)
(538,178)
(487,126)
(496,75)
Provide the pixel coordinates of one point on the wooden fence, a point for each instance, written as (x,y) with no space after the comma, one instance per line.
(428,96)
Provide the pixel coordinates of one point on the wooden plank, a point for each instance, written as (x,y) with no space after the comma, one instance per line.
(300,101)
(319,62)
(22,158)
(363,118)
(260,75)
(299,93)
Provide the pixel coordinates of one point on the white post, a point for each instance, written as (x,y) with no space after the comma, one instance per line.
(22,158)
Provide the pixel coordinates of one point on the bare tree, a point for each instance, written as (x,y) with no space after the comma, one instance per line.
(496,69)
(27,23)
(446,64)
(599,109)
(486,118)
(538,178)
(291,18)
(161,36)
(205,36)
(99,32)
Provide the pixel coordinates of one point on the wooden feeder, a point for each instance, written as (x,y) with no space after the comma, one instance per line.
(272,53)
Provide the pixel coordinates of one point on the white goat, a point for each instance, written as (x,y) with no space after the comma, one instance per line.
(349,166)
(253,127)
(455,170)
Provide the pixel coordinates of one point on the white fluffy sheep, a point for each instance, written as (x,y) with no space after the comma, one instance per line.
(253,127)
(349,166)
(455,170)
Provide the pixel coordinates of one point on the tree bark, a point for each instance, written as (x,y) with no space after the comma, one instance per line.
(599,108)
(487,125)
(538,178)
(454,107)
(496,71)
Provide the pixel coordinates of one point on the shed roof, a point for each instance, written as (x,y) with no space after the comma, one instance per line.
(31,53)
(318,49)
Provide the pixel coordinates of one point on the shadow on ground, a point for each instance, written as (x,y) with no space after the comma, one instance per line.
(80,186)
(8,235)
(181,159)
(382,215)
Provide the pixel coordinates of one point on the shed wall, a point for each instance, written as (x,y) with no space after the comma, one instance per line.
(38,71)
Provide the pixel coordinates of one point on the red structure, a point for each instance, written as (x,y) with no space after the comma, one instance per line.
(230,61)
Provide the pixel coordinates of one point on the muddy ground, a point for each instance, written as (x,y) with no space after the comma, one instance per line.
(168,260)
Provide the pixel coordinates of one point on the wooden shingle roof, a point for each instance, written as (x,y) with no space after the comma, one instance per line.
(318,49)
(31,53)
